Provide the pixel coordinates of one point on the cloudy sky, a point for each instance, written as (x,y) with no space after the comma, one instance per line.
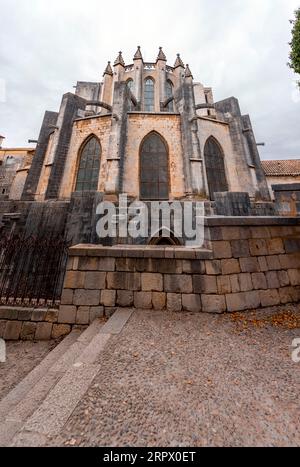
(239,47)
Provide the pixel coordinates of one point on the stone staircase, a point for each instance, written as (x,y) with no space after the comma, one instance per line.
(40,405)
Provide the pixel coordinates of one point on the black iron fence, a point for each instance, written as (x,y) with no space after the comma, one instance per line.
(32,270)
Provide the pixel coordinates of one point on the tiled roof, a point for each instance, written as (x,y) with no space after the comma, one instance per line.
(279,168)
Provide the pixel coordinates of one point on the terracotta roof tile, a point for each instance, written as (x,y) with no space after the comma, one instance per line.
(279,168)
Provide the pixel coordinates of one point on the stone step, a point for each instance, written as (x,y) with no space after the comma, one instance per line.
(53,413)
(24,399)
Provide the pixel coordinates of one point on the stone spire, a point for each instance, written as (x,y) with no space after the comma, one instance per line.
(108,70)
(178,62)
(188,73)
(138,54)
(161,55)
(119,60)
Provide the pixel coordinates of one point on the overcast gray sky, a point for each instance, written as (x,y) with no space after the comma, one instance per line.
(239,47)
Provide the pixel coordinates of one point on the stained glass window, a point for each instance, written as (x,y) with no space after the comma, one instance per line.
(149,95)
(154,170)
(89,166)
(215,167)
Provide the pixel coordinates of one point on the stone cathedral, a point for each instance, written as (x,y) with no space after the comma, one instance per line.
(150,131)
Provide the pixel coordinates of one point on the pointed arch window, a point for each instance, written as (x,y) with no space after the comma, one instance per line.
(89,166)
(215,167)
(130,85)
(169,93)
(149,95)
(154,169)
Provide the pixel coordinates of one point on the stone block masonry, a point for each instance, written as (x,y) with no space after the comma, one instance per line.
(45,324)
(252,263)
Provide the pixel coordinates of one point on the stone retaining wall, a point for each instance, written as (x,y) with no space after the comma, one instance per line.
(33,324)
(253,263)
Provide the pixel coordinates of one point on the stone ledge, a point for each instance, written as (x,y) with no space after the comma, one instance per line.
(250,221)
(128,251)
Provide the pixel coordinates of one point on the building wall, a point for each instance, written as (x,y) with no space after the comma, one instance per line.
(252,264)
(99,126)
(14,166)
(139,126)
(281,181)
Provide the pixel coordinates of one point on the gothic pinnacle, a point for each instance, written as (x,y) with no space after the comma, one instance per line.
(119,60)
(188,73)
(108,70)
(138,54)
(161,55)
(178,62)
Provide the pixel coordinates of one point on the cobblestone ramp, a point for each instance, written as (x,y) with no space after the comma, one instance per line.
(41,404)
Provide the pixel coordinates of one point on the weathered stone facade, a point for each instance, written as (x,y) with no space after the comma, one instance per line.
(251,263)
(120,114)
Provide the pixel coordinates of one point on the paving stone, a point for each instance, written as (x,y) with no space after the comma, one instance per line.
(95,280)
(245,282)
(213,303)
(191,302)
(74,280)
(152,282)
(269,297)
(108,297)
(125,298)
(174,302)
(178,283)
(86,297)
(213,267)
(230,266)
(205,284)
(43,331)
(259,281)
(249,265)
(143,300)
(159,300)
(272,280)
(12,330)
(222,250)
